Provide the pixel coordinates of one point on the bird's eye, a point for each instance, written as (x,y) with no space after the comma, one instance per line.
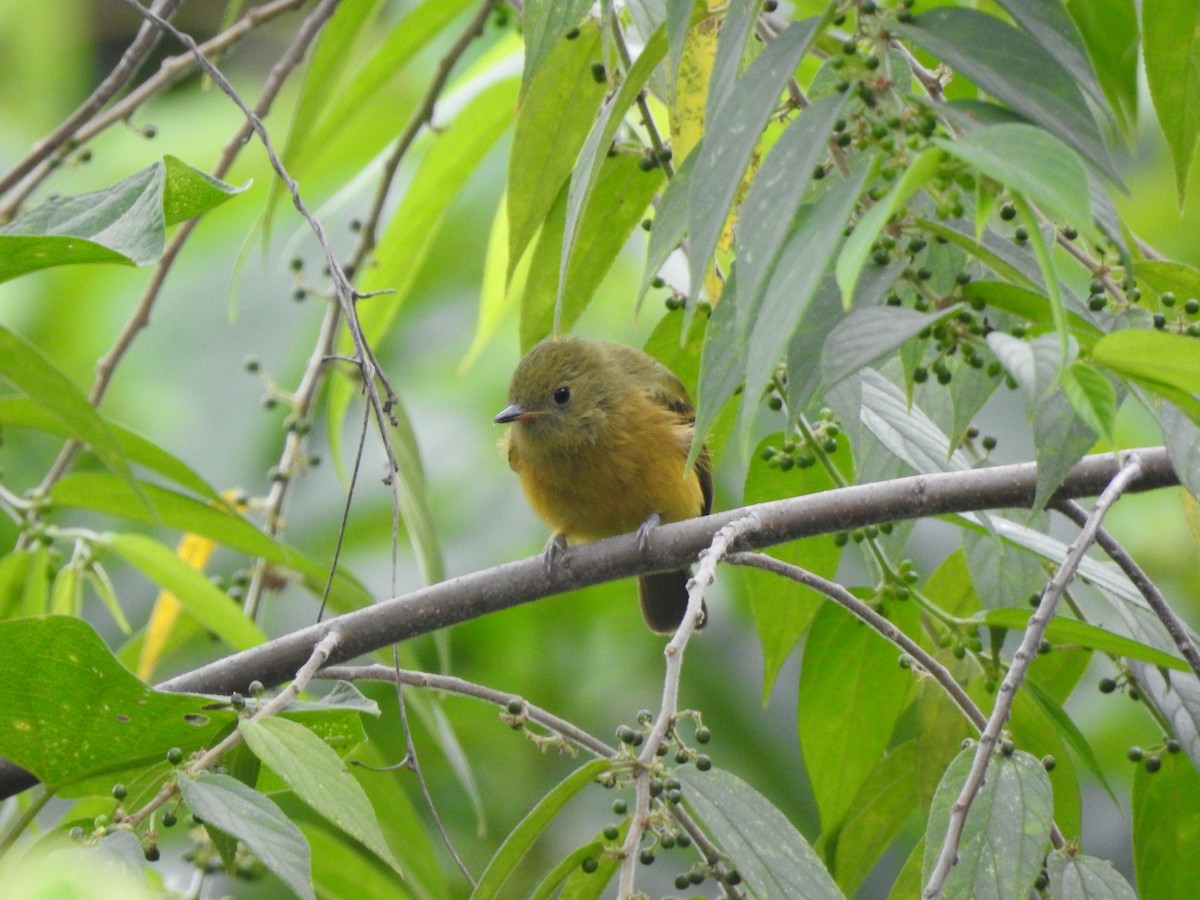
(562,395)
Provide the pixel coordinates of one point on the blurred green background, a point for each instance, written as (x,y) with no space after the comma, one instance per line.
(585,656)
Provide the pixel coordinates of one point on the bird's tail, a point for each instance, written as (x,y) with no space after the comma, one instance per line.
(664,598)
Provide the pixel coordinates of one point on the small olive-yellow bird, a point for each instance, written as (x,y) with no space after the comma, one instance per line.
(600,437)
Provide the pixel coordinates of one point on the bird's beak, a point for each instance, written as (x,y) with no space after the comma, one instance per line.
(515,412)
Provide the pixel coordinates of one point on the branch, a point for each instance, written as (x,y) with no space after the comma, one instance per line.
(148,35)
(1025,654)
(704,578)
(1175,626)
(668,547)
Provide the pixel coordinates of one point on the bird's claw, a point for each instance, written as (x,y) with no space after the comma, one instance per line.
(644,530)
(555,555)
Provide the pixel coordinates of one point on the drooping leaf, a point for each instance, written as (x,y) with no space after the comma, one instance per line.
(545,23)
(1171,51)
(851,694)
(1007,831)
(521,838)
(125,223)
(69,711)
(555,116)
(772,857)
(732,132)
(1168,364)
(226,804)
(318,776)
(1016,69)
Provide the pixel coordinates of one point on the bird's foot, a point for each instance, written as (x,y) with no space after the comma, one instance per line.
(644,530)
(556,554)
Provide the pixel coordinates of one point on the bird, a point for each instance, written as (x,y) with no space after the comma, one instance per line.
(600,435)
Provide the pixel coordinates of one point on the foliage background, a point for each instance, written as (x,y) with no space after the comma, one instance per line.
(584,655)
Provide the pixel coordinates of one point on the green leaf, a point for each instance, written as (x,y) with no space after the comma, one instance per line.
(858,245)
(27,369)
(1061,437)
(783,609)
(1007,831)
(811,245)
(772,857)
(1062,724)
(415,509)
(865,336)
(941,728)
(995,255)
(887,799)
(253,818)
(1048,171)
(1093,397)
(555,116)
(1017,70)
(569,870)
(736,28)
(1076,876)
(906,431)
(1038,733)
(774,197)
(1051,26)
(1031,305)
(1171,52)
(1162,275)
(669,226)
(731,133)
(24,583)
(103,493)
(452,158)
(1109,29)
(125,223)
(318,776)
(616,205)
(69,711)
(23,412)
(98,578)
(681,15)
(595,149)
(521,838)
(208,604)
(1166,827)
(1168,364)
(1073,631)
(951,588)
(851,694)
(545,23)
(722,362)
(495,298)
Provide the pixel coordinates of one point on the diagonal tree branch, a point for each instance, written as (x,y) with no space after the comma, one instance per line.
(1131,468)
(668,547)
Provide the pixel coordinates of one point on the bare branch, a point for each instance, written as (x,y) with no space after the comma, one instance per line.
(1027,651)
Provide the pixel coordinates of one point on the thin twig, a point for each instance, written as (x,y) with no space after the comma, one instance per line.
(320,653)
(148,35)
(170,70)
(107,365)
(421,117)
(1018,667)
(705,576)
(643,104)
(882,626)
(1175,626)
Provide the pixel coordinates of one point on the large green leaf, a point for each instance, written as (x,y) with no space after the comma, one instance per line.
(769,853)
(104,493)
(1166,828)
(731,133)
(241,812)
(616,205)
(1016,69)
(125,223)
(851,694)
(1168,364)
(1109,29)
(521,838)
(24,412)
(26,368)
(69,711)
(554,119)
(318,776)
(1171,52)
(545,23)
(1007,831)
(1033,162)
(207,604)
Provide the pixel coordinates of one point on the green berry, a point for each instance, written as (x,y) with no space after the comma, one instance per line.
(1049,762)
(646,857)
(1008,212)
(1173,745)
(1107,685)
(599,73)
(119,791)
(169,819)
(703,763)
(620,807)
(174,756)
(1192,306)
(1134,754)
(590,864)
(1153,763)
